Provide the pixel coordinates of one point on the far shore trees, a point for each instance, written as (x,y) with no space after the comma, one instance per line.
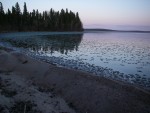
(15,20)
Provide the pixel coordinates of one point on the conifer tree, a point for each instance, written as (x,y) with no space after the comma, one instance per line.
(1,14)
(15,20)
(1,8)
(18,16)
(25,16)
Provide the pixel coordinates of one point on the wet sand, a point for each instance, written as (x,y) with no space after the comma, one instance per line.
(85,93)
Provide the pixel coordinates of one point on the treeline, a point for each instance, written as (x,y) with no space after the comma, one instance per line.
(15,20)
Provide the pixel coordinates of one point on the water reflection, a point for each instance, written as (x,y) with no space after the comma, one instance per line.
(119,56)
(50,43)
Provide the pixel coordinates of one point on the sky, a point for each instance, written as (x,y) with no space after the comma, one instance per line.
(113,14)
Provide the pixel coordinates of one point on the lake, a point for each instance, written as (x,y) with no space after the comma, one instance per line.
(123,56)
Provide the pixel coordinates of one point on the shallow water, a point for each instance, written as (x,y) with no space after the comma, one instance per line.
(116,55)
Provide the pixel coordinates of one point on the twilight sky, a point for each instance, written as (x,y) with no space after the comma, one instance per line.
(115,14)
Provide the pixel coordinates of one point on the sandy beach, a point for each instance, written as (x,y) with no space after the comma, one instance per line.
(31,86)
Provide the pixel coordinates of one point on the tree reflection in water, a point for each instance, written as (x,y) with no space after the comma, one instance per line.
(62,43)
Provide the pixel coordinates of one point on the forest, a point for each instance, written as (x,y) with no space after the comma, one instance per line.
(17,20)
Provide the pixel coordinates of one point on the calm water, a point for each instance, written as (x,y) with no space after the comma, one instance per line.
(115,55)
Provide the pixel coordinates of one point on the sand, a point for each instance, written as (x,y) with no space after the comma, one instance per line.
(78,91)
(19,95)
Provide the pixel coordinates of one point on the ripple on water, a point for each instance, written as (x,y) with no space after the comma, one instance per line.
(119,56)
(97,70)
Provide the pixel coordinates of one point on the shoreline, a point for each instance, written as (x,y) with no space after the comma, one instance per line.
(137,75)
(83,91)
(107,73)
(87,30)
(119,81)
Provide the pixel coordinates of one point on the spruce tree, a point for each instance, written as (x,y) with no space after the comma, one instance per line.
(25,12)
(16,20)
(25,16)
(1,8)
(37,19)
(2,19)
(9,20)
(18,16)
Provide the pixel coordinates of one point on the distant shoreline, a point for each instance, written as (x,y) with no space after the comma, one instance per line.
(84,31)
(111,30)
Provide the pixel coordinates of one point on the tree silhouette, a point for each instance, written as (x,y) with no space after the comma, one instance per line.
(18,16)
(25,18)
(2,16)
(15,20)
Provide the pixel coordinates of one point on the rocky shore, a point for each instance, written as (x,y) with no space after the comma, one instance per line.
(31,86)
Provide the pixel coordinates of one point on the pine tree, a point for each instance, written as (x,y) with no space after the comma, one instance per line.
(1,15)
(17,7)
(25,16)
(14,21)
(8,20)
(35,21)
(25,12)
(18,16)
(1,8)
